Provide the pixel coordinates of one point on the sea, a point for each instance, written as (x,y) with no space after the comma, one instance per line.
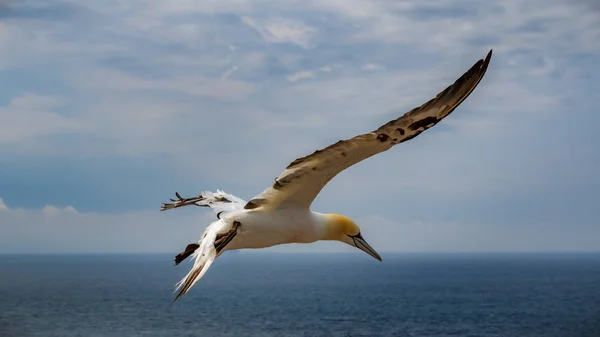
(302,294)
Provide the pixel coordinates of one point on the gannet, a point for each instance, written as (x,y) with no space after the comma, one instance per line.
(281,213)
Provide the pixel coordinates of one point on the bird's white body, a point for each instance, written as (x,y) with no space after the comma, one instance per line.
(261,229)
(281,213)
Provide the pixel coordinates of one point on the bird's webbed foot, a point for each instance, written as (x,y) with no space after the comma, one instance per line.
(180,202)
(224,239)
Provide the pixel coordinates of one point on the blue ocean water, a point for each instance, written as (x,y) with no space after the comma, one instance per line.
(271,294)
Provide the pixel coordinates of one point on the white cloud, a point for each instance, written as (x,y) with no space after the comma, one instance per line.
(547,67)
(432,26)
(195,85)
(53,210)
(500,26)
(301,75)
(30,116)
(173,82)
(66,230)
(420,236)
(280,30)
(3,206)
(54,229)
(34,44)
(161,9)
(308,74)
(372,66)
(228,73)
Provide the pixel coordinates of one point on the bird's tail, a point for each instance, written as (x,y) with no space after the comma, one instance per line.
(213,242)
(205,255)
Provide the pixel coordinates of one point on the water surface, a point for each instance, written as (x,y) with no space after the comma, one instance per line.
(280,294)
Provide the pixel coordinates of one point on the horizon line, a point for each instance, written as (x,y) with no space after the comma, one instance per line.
(543,252)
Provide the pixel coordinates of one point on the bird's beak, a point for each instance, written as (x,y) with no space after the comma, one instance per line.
(361,244)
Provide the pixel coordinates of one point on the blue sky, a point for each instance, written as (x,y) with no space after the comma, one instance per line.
(109,107)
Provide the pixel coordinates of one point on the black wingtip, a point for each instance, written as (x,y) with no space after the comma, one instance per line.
(486,62)
(488,57)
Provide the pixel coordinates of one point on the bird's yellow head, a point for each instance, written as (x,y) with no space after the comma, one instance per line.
(341,228)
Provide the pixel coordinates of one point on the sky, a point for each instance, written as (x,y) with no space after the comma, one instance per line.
(107,108)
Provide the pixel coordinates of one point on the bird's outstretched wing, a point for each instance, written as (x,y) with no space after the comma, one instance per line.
(304,178)
(218,201)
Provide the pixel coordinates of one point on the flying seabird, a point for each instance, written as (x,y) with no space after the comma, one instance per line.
(281,213)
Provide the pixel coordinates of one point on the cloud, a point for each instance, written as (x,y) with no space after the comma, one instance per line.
(64,229)
(31,116)
(372,66)
(3,206)
(229,72)
(459,26)
(423,236)
(220,88)
(279,30)
(546,68)
(301,75)
(106,107)
(53,210)
(308,74)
